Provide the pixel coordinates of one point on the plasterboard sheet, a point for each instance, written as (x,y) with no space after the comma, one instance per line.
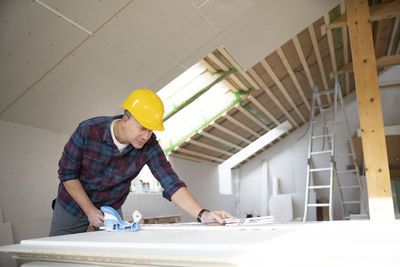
(90,14)
(129,53)
(32,41)
(358,243)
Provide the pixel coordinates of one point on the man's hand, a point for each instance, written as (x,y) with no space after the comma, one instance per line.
(215,217)
(96,217)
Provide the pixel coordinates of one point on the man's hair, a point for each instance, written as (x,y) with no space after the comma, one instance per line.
(128,114)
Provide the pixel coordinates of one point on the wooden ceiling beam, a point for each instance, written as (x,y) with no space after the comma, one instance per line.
(303,61)
(331,47)
(238,67)
(213,148)
(345,50)
(263,109)
(314,42)
(369,107)
(191,158)
(296,83)
(272,96)
(278,83)
(241,125)
(223,67)
(384,61)
(377,12)
(231,133)
(190,152)
(253,118)
(218,139)
(207,65)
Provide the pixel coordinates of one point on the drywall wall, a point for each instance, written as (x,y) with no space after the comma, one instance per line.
(28,182)
(287,159)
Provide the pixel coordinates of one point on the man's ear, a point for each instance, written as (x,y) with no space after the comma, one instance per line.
(124,120)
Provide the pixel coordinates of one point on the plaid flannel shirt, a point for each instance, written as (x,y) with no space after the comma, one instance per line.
(106,174)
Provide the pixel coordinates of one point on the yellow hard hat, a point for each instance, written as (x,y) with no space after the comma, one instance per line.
(147,108)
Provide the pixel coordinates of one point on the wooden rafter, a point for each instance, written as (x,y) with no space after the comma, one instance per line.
(213,148)
(231,133)
(385,61)
(238,67)
(314,42)
(177,155)
(272,96)
(345,50)
(221,140)
(253,118)
(369,106)
(278,83)
(198,154)
(241,125)
(263,109)
(223,67)
(293,77)
(377,12)
(303,61)
(393,36)
(331,46)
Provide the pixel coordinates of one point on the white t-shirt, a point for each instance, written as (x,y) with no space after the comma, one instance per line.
(118,144)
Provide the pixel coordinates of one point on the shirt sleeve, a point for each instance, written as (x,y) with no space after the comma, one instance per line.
(71,159)
(162,170)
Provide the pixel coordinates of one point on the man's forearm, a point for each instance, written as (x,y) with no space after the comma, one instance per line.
(75,189)
(185,200)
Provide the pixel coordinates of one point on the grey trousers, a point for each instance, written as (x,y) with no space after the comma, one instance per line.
(64,223)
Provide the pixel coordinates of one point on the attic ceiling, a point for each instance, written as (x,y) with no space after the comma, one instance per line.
(56,73)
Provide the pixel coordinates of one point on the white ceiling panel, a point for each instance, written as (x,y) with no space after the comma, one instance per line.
(222,13)
(31,42)
(137,47)
(90,14)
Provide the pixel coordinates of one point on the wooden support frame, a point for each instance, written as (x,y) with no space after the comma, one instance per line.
(173,154)
(314,41)
(296,83)
(253,118)
(216,138)
(278,83)
(253,100)
(303,61)
(190,152)
(241,125)
(377,12)
(231,133)
(210,147)
(272,96)
(369,106)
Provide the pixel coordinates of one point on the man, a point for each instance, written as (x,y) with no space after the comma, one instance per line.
(105,154)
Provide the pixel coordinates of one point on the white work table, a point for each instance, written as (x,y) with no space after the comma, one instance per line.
(338,243)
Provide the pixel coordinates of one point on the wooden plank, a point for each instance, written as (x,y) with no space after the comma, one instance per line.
(377,12)
(241,125)
(303,61)
(221,140)
(198,154)
(213,148)
(345,50)
(293,77)
(331,46)
(319,59)
(272,96)
(238,67)
(263,109)
(231,133)
(253,118)
(182,156)
(369,106)
(278,83)
(384,61)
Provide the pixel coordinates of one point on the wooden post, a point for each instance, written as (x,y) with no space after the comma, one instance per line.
(370,110)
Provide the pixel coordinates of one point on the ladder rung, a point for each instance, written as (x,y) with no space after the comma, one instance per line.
(319,186)
(320,169)
(322,136)
(344,155)
(320,152)
(349,187)
(319,205)
(352,202)
(326,106)
(347,171)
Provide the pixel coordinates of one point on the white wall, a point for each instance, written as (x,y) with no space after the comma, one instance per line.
(287,159)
